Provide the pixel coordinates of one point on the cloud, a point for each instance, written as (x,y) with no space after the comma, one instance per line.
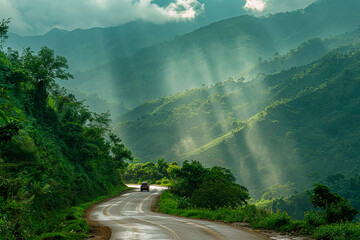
(274,6)
(39,16)
(258,5)
(184,9)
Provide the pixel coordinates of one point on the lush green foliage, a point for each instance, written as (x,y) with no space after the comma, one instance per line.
(346,231)
(258,218)
(207,187)
(336,208)
(299,202)
(296,126)
(54,152)
(159,173)
(315,223)
(216,51)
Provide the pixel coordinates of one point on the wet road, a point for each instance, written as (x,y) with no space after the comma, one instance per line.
(129,216)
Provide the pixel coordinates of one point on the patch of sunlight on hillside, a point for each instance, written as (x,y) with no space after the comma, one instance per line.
(262,154)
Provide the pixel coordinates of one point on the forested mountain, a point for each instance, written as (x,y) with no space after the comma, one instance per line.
(277,128)
(302,138)
(87,48)
(215,52)
(54,152)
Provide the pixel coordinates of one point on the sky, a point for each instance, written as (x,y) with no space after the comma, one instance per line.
(39,16)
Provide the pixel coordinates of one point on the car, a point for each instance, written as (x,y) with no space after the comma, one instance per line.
(145,186)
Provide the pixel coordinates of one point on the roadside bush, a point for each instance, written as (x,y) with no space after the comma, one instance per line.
(218,193)
(168,203)
(254,215)
(274,221)
(343,231)
(314,219)
(337,209)
(340,211)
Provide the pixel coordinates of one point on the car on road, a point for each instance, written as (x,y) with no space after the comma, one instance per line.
(145,186)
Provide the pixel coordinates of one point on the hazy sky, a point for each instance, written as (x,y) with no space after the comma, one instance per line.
(31,17)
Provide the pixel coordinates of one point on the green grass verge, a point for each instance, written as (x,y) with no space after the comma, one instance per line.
(69,224)
(344,231)
(259,218)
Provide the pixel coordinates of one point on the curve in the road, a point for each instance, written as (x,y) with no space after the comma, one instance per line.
(129,216)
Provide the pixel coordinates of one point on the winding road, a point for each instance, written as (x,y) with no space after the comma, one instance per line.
(129,216)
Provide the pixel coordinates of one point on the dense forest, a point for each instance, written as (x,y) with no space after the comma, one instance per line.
(214,52)
(54,152)
(282,114)
(287,119)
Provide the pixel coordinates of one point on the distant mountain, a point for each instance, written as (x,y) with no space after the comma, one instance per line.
(299,139)
(92,47)
(215,52)
(88,48)
(215,124)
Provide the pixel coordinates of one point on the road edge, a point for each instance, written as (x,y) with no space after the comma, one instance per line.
(97,230)
(262,233)
(156,209)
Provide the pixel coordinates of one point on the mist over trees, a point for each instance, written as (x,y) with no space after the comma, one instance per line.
(272,121)
(286,119)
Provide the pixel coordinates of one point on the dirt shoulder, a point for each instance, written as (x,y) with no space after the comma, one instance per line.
(98,231)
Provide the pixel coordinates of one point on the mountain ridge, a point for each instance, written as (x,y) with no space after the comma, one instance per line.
(215,52)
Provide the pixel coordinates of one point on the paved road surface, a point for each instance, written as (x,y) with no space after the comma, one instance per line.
(129,217)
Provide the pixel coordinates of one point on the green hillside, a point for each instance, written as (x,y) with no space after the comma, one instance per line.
(215,52)
(233,123)
(298,139)
(190,119)
(54,153)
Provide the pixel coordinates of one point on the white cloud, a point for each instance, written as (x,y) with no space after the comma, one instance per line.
(258,5)
(184,9)
(274,6)
(39,16)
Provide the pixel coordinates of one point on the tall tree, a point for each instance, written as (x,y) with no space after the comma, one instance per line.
(4,28)
(44,68)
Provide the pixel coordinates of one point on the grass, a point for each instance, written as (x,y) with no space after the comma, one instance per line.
(70,223)
(258,218)
(263,219)
(343,231)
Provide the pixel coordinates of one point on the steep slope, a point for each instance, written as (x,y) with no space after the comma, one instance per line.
(54,153)
(300,139)
(187,120)
(211,124)
(216,51)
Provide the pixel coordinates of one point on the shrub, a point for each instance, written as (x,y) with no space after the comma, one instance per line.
(340,211)
(314,219)
(337,208)
(218,193)
(275,221)
(168,203)
(344,231)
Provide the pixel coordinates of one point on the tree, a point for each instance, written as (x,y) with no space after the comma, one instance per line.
(219,190)
(190,176)
(162,166)
(4,28)
(10,117)
(336,207)
(119,152)
(44,68)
